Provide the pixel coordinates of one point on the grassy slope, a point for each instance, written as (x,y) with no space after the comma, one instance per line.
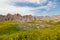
(11,30)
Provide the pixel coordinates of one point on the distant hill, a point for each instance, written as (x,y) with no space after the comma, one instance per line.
(28,18)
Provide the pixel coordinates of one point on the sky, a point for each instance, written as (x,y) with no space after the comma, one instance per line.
(30,7)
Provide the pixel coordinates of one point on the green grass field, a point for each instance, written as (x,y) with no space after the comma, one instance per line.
(35,30)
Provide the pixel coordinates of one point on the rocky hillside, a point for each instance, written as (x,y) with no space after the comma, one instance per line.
(28,18)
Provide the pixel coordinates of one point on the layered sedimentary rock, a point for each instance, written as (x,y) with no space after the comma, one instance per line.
(28,18)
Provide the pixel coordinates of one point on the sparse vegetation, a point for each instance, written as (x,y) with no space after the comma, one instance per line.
(35,30)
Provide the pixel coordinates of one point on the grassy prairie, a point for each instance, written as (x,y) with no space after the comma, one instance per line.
(35,30)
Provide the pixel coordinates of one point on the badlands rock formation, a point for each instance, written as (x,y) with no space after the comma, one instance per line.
(28,18)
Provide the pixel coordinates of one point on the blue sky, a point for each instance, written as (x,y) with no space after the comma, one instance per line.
(33,7)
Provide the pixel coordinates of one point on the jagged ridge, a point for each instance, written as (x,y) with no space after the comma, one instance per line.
(28,18)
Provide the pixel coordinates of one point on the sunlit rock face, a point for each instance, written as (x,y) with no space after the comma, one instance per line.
(17,17)
(28,18)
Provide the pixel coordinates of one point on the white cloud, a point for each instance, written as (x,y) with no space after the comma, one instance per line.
(32,1)
(5,7)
